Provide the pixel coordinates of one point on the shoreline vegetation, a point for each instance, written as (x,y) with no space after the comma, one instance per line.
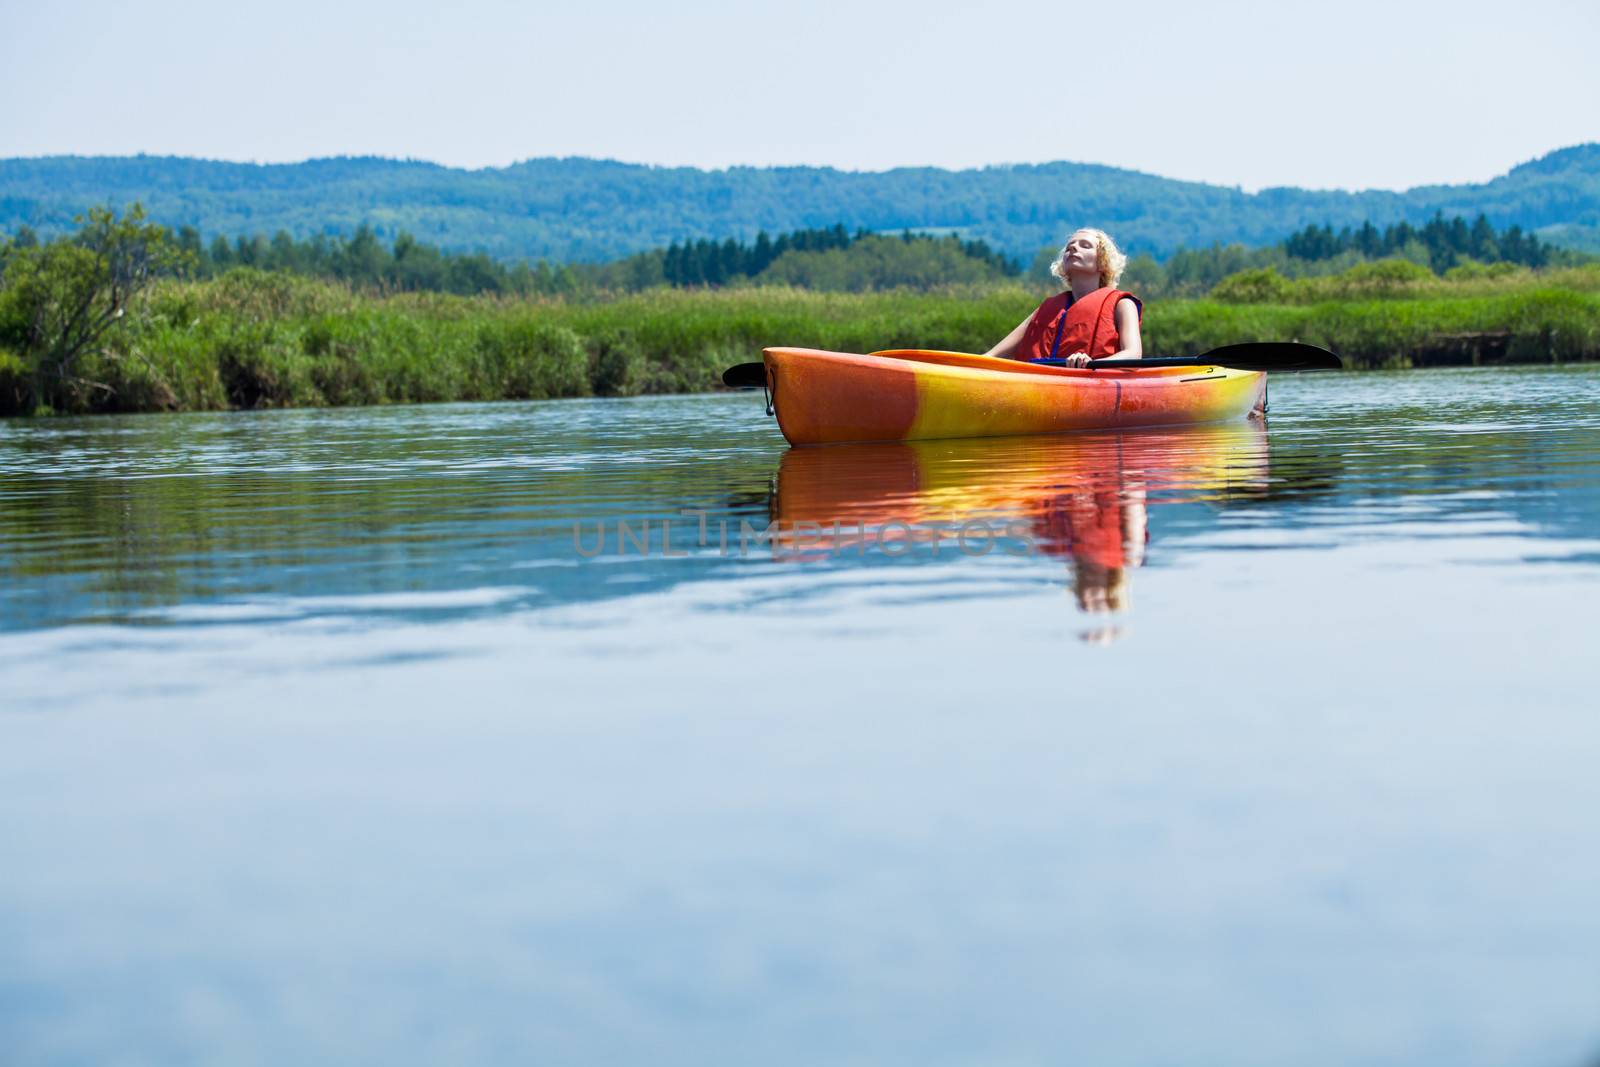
(249,338)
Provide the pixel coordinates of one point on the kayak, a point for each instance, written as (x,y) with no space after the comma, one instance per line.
(915,394)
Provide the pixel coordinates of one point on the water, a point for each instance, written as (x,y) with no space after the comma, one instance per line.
(329,737)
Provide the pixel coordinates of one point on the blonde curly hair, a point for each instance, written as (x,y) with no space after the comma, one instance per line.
(1107,255)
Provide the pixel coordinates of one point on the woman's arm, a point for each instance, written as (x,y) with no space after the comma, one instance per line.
(1008,344)
(1128,329)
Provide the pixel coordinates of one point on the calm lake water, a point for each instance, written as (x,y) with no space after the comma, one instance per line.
(342,737)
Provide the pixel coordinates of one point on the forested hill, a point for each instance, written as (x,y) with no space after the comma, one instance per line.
(585,209)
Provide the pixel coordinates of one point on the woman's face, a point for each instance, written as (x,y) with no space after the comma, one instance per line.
(1083,254)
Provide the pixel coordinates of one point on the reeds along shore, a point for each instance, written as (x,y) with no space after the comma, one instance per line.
(250,339)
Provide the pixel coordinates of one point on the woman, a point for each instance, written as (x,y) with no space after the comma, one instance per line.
(1090,319)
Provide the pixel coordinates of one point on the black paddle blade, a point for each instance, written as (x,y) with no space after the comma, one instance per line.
(1274,355)
(745,376)
(1250,355)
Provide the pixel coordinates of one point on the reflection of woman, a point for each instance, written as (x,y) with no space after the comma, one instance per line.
(1104,528)
(1090,318)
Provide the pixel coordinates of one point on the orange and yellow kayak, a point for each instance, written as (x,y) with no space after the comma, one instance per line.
(912,394)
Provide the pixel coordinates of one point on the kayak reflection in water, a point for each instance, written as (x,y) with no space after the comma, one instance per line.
(1083,498)
(1090,318)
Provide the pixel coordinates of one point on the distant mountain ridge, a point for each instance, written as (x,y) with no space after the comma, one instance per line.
(588,209)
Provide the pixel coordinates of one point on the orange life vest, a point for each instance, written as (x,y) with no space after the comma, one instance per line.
(1062,326)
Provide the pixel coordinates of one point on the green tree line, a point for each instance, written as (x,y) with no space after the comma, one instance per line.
(1447,241)
(711,263)
(835,259)
(1441,246)
(409,265)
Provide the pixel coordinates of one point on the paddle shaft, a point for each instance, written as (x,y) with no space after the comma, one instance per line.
(1115,363)
(1250,355)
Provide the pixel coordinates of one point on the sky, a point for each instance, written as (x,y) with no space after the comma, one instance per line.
(1359,94)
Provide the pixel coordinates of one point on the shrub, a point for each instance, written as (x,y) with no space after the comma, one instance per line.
(1263,286)
(1470,270)
(528,359)
(619,367)
(1380,279)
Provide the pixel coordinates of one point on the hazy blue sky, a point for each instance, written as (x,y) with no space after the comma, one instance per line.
(1361,93)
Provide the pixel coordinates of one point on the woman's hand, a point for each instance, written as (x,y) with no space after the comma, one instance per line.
(1078,359)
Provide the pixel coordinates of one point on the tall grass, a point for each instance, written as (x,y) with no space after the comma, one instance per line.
(249,339)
